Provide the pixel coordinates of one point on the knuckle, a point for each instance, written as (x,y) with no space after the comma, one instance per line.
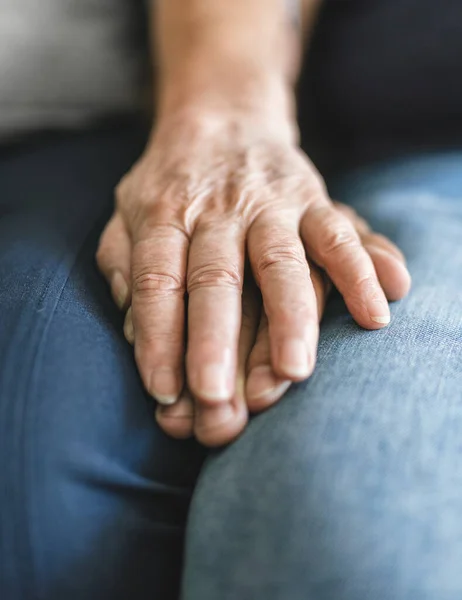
(338,240)
(148,197)
(157,214)
(150,283)
(137,197)
(213,276)
(282,255)
(366,284)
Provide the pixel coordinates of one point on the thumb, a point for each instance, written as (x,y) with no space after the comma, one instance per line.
(114,258)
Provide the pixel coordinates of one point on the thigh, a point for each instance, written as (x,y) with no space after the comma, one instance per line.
(351,487)
(93,496)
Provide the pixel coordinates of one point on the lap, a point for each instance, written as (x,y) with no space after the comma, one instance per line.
(350,487)
(94,496)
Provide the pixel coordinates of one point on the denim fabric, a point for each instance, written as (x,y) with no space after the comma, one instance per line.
(349,489)
(93,497)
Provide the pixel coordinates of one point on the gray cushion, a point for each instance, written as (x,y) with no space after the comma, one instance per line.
(64,62)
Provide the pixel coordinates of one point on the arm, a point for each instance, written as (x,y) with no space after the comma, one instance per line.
(222,184)
(217,54)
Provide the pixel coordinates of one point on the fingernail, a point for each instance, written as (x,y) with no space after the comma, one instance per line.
(262,383)
(293,359)
(129,330)
(382,320)
(213,383)
(379,311)
(119,289)
(164,386)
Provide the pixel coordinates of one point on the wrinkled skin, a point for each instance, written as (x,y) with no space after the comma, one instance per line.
(209,196)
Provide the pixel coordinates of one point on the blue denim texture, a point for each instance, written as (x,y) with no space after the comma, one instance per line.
(349,489)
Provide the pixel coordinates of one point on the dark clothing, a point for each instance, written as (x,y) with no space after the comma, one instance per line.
(382,78)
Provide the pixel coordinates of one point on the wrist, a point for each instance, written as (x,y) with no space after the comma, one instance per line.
(240,128)
(259,98)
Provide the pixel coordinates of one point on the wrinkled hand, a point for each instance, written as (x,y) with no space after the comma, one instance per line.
(257,387)
(207,193)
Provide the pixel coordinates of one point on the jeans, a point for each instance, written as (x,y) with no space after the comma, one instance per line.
(350,488)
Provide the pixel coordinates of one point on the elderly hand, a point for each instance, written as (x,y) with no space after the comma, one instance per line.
(210,192)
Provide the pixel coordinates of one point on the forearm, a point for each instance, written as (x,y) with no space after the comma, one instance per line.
(218,54)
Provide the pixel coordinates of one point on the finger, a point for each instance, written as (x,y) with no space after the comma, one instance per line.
(363,229)
(114,257)
(322,287)
(218,425)
(333,243)
(263,387)
(158,307)
(177,420)
(215,273)
(361,225)
(380,241)
(282,273)
(212,427)
(391,271)
(129,331)
(389,261)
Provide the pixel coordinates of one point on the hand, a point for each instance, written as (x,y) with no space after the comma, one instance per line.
(208,190)
(257,386)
